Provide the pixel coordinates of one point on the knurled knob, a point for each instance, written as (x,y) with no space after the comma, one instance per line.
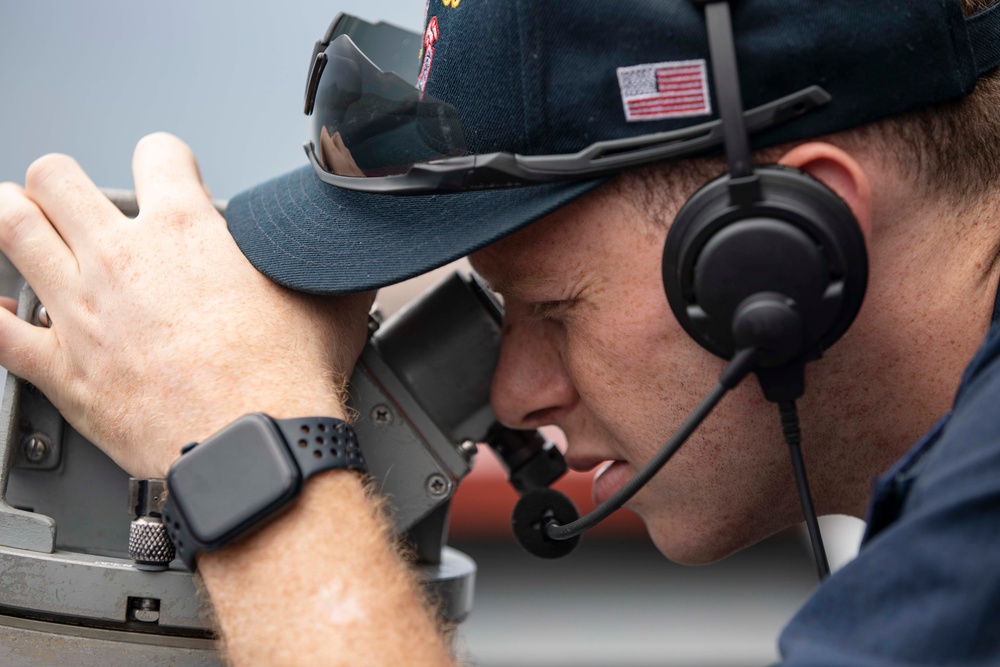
(148,544)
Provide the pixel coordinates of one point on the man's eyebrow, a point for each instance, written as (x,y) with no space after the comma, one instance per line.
(507,284)
(499,284)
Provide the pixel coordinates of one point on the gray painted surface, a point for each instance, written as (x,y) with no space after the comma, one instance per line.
(28,643)
(19,529)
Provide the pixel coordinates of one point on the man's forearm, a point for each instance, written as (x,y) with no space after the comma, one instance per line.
(322,585)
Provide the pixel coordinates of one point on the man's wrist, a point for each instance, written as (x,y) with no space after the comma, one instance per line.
(258,467)
(335,573)
(332,488)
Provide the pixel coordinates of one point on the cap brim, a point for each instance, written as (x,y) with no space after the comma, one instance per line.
(315,237)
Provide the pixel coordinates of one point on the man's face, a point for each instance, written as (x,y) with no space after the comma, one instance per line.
(591,345)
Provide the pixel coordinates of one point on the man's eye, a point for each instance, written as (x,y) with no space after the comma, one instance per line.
(550,310)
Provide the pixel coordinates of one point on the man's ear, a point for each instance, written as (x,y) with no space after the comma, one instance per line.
(838,171)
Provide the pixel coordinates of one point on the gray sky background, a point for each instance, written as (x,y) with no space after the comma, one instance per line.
(89,78)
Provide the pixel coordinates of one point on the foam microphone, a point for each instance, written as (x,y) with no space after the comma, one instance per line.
(547,524)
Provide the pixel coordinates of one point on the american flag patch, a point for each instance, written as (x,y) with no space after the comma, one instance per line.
(665,90)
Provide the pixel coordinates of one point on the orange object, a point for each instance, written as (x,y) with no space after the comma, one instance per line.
(482,505)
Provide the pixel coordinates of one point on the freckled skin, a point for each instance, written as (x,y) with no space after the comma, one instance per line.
(618,374)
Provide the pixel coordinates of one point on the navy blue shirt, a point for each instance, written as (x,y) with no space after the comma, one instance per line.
(925,587)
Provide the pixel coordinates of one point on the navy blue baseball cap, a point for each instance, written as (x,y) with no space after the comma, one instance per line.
(552,77)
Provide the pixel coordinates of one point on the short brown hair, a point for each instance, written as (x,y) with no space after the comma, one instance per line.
(950,149)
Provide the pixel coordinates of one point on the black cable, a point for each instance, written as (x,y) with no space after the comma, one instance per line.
(793,436)
(738,368)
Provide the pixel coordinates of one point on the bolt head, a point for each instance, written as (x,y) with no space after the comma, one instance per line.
(146,616)
(42,316)
(381,415)
(469,449)
(36,448)
(437,485)
(147,611)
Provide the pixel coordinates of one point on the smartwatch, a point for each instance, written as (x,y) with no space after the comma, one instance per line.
(246,475)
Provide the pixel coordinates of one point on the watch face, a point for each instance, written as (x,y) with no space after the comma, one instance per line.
(233,479)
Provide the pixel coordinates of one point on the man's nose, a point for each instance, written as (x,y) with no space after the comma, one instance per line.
(531,386)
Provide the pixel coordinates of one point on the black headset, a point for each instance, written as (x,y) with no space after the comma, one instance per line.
(762,257)
(764,266)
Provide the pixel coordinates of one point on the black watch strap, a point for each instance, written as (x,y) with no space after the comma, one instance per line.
(314,444)
(321,443)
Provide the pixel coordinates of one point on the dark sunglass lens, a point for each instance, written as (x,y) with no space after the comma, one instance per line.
(372,123)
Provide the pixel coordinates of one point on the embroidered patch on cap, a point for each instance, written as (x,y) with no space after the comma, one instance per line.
(664,90)
(431,35)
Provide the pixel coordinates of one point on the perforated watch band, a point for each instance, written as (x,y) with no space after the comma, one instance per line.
(321,443)
(315,444)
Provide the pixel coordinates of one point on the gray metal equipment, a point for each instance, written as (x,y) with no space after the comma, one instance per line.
(71,593)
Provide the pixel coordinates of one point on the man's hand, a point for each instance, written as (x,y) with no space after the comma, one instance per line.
(162,332)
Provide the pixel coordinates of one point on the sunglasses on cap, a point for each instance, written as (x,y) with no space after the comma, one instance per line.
(374,130)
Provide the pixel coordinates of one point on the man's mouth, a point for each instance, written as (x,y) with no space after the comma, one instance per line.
(612,476)
(584,463)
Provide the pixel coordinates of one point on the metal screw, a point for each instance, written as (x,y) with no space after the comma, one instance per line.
(148,610)
(437,485)
(468,449)
(42,316)
(381,415)
(36,447)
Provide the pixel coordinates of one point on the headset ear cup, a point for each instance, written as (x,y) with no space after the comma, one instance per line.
(799,245)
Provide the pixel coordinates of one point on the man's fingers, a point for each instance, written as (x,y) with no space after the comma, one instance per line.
(70,200)
(166,175)
(25,350)
(33,245)
(8,303)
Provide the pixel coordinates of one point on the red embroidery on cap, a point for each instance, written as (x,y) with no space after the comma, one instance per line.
(431,35)
(664,90)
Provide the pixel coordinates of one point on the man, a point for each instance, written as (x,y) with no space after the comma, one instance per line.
(140,367)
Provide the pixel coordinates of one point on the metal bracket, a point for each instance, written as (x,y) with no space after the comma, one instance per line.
(19,529)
